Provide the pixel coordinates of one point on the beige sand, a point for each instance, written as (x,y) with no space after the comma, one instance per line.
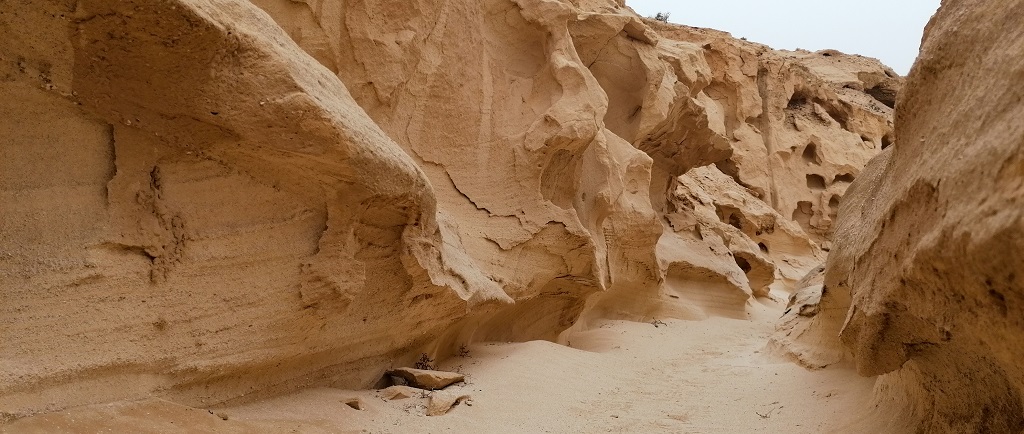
(671,376)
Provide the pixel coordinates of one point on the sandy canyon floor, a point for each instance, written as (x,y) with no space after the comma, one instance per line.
(675,376)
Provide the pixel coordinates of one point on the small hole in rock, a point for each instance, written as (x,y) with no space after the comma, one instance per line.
(743,264)
(803,213)
(798,100)
(883,95)
(844,177)
(734,221)
(810,154)
(815,182)
(886,141)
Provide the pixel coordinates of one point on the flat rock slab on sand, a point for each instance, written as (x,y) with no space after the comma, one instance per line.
(425,379)
(441,402)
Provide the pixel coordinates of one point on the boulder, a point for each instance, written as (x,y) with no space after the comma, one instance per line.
(427,379)
(443,401)
(394,393)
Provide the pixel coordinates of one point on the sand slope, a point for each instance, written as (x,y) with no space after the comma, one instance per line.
(679,376)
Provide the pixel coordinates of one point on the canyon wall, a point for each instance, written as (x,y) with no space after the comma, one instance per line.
(928,258)
(214,201)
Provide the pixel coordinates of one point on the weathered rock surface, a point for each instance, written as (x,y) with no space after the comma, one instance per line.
(400,392)
(442,401)
(214,200)
(802,335)
(926,280)
(801,125)
(749,111)
(427,379)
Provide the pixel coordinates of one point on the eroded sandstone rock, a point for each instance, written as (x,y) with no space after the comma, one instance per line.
(801,125)
(802,334)
(926,280)
(232,211)
(441,402)
(427,379)
(244,201)
(394,393)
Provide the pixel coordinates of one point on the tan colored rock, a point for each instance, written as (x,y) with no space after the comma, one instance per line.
(801,125)
(926,280)
(546,200)
(232,210)
(394,393)
(441,402)
(800,335)
(427,379)
(247,200)
(703,104)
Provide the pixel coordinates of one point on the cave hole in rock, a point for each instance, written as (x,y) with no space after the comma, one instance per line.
(797,107)
(815,182)
(734,221)
(810,154)
(805,103)
(763,247)
(729,215)
(883,94)
(886,141)
(803,213)
(797,101)
(743,264)
(844,177)
(838,114)
(833,206)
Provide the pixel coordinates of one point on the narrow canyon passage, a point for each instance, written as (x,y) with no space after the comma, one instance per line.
(262,215)
(623,377)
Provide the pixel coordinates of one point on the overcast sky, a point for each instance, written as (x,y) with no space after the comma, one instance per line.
(889,30)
